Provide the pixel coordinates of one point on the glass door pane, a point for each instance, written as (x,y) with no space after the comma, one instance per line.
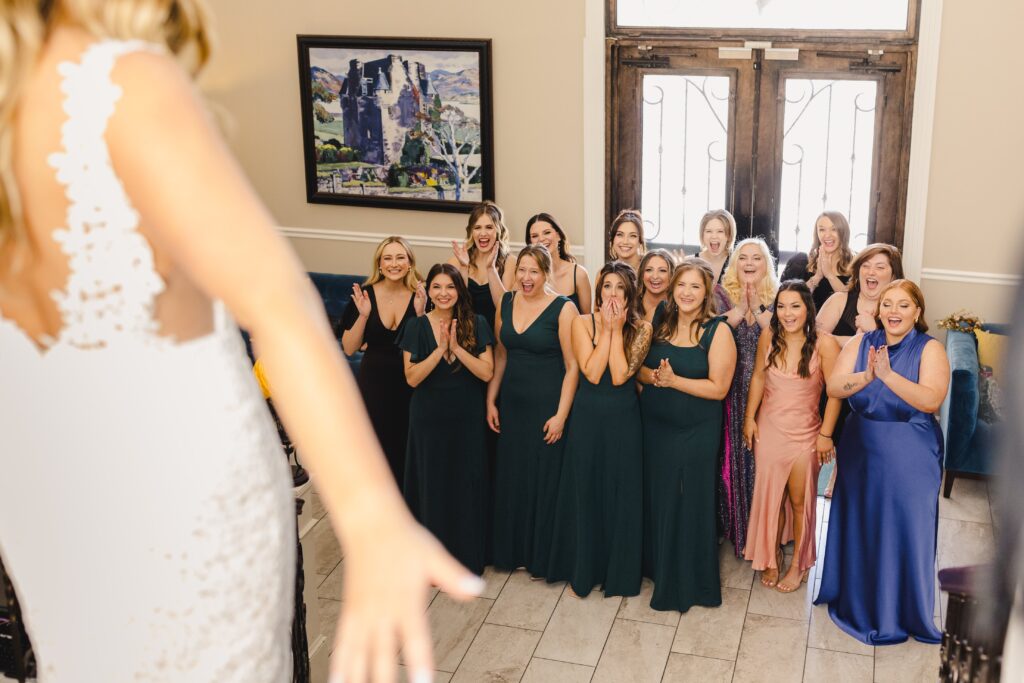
(865,15)
(828,157)
(685,153)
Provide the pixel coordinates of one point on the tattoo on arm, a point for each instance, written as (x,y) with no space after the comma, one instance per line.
(848,386)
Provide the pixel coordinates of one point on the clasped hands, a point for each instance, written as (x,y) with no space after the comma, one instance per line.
(878,364)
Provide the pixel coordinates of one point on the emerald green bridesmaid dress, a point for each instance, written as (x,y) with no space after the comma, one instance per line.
(527,469)
(682,434)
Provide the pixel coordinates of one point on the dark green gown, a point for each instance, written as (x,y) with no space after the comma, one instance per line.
(527,469)
(681,438)
(446,458)
(599,517)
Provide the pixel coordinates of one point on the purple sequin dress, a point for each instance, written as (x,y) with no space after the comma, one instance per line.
(736,461)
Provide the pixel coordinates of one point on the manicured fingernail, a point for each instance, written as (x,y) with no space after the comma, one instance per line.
(473,585)
(423,677)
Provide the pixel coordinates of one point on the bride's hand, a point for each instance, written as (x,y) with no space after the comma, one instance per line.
(390,565)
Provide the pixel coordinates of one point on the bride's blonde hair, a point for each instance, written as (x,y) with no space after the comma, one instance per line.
(180,25)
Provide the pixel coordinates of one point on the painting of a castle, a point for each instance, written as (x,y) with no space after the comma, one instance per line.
(406,123)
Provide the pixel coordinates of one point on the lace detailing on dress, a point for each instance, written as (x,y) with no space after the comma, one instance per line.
(112,283)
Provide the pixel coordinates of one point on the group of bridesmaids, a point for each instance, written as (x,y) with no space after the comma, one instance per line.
(599,436)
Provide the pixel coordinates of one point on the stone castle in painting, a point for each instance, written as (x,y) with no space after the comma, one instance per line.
(380,101)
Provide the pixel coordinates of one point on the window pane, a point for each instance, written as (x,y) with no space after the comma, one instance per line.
(827,156)
(685,144)
(867,15)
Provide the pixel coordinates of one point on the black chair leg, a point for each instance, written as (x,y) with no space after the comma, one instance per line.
(947,486)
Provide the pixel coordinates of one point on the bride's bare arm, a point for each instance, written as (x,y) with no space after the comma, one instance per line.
(201,213)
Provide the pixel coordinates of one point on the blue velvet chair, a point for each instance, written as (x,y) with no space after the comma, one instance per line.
(969,440)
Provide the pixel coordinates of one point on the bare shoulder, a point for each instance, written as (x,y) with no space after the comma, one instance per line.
(568,311)
(827,344)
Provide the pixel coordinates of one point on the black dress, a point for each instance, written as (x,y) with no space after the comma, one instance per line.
(382,381)
(796,269)
(446,463)
(483,302)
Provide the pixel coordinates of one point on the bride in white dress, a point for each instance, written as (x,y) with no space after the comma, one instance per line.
(145,510)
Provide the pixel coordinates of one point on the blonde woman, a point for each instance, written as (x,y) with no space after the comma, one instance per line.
(111,283)
(481,258)
(392,295)
(626,238)
(717,237)
(745,297)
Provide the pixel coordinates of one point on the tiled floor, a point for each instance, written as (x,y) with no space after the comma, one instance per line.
(529,631)
(533,632)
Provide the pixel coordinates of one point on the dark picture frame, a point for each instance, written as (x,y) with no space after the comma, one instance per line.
(407,124)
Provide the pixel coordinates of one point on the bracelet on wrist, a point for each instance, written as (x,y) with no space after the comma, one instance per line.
(827,436)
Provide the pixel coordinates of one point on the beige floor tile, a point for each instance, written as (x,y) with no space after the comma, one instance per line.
(330,587)
(635,653)
(689,669)
(837,667)
(578,629)
(638,608)
(735,572)
(453,625)
(772,603)
(713,631)
(329,612)
(771,649)
(968,502)
(439,676)
(963,543)
(317,504)
(825,635)
(548,671)
(498,654)
(908,662)
(524,603)
(325,546)
(495,580)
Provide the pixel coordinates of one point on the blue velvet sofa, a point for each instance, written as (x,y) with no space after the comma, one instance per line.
(969,439)
(336,291)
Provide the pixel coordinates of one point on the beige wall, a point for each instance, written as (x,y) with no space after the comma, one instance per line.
(538,109)
(975,219)
(975,208)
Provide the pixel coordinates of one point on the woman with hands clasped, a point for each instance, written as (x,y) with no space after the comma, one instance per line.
(481,258)
(392,295)
(744,296)
(789,439)
(878,578)
(686,374)
(448,362)
(536,374)
(826,267)
(599,515)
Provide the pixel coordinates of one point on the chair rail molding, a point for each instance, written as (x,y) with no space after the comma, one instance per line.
(429,241)
(971,277)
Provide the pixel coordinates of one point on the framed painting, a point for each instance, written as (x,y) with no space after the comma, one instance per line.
(396,122)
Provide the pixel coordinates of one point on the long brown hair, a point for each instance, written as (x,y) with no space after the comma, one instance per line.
(663,254)
(563,243)
(667,326)
(180,25)
(412,278)
(625,273)
(497,216)
(845,254)
(626,216)
(916,295)
(465,318)
(778,346)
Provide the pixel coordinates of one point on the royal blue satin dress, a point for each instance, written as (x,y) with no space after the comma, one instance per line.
(878,578)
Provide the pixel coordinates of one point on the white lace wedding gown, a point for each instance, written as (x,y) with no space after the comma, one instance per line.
(145,506)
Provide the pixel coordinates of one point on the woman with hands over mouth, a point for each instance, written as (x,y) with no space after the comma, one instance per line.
(686,374)
(391,296)
(448,362)
(481,257)
(789,439)
(745,296)
(878,578)
(599,515)
(536,374)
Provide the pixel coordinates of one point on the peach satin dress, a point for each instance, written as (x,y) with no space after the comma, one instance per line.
(788,424)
